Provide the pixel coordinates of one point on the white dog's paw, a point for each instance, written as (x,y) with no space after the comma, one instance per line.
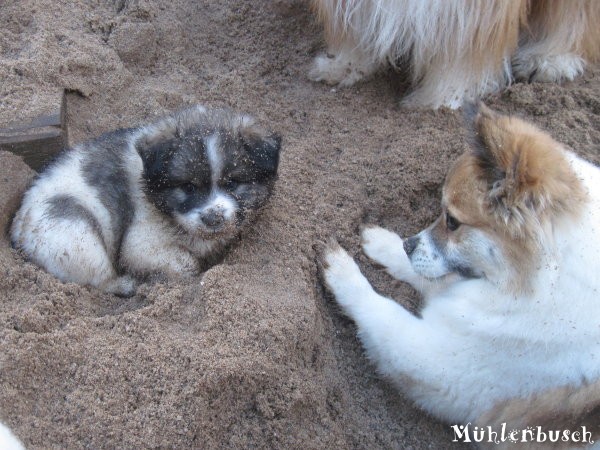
(343,277)
(386,248)
(547,68)
(338,265)
(381,245)
(344,69)
(332,71)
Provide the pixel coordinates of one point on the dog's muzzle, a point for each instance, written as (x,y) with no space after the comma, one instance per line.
(213,218)
(410,245)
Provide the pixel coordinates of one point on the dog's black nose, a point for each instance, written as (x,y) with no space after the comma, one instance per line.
(213,219)
(410,244)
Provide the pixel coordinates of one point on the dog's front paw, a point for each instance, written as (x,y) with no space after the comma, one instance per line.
(547,68)
(337,70)
(124,286)
(386,248)
(337,264)
(183,266)
(342,276)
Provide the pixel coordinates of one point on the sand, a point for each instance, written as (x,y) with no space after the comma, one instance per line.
(254,354)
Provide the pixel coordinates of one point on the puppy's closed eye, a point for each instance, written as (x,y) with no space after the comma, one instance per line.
(188,188)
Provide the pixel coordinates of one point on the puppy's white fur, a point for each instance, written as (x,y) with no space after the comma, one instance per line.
(487,336)
(455,50)
(160,198)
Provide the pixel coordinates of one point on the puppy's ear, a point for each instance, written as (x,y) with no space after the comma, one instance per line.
(263,149)
(156,149)
(525,170)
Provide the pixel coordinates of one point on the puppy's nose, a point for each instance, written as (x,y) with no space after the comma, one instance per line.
(213,219)
(410,244)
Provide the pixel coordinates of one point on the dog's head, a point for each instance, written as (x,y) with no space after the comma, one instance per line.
(499,204)
(208,169)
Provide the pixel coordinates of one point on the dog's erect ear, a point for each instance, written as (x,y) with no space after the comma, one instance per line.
(262,149)
(525,170)
(491,142)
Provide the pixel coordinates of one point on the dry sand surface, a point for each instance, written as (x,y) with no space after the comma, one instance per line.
(254,354)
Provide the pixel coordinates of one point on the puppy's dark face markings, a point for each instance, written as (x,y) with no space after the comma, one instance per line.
(209,176)
(177,174)
(249,171)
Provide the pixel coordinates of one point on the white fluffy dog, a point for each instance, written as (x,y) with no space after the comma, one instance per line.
(509,276)
(457,50)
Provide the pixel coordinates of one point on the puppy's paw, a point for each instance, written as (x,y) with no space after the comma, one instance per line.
(386,248)
(547,68)
(124,286)
(182,266)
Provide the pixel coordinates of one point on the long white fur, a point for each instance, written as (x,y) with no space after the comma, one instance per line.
(437,34)
(447,45)
(555,55)
(476,343)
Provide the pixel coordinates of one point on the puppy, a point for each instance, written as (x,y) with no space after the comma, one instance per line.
(509,277)
(456,51)
(157,199)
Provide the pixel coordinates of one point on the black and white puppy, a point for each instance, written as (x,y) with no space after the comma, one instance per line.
(161,198)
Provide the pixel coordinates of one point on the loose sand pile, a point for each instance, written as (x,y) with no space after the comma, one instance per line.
(254,354)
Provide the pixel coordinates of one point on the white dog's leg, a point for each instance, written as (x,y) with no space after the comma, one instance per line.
(553,47)
(386,248)
(73,250)
(148,248)
(402,345)
(536,63)
(349,65)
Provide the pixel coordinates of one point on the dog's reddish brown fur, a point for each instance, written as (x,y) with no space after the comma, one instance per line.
(564,408)
(515,177)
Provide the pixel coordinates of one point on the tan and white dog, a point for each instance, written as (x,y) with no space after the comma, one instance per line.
(457,50)
(510,327)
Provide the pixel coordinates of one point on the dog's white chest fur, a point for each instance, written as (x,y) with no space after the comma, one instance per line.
(477,342)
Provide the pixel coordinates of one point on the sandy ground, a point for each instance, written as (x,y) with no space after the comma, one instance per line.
(254,354)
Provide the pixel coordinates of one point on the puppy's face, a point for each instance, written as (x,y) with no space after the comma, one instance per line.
(209,170)
(499,202)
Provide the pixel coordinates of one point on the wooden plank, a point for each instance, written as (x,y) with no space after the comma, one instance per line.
(36,141)
(36,149)
(48,120)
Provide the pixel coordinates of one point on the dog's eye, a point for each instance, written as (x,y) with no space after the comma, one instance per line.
(188,188)
(230,185)
(451,222)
